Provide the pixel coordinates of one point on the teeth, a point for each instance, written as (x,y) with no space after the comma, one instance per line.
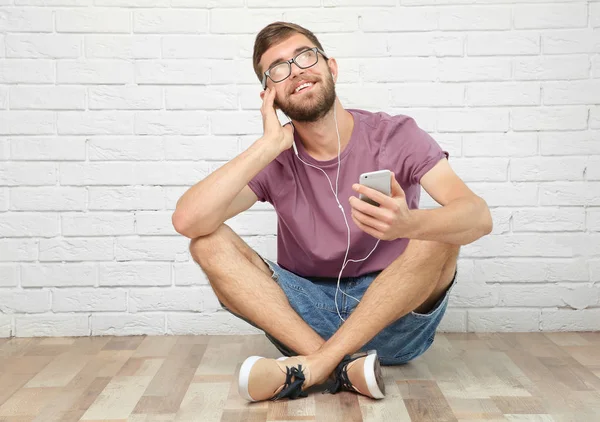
(307,84)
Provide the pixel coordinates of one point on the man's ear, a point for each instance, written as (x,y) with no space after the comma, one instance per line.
(333,67)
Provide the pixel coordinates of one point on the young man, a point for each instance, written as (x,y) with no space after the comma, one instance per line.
(388,304)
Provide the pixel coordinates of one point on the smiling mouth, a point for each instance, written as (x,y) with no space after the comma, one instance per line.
(304,88)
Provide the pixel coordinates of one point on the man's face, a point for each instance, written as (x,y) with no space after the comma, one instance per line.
(308,104)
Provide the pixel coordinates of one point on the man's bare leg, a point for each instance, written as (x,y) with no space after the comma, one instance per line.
(242,282)
(414,281)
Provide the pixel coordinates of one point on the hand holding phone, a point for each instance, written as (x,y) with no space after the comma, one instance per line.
(380,180)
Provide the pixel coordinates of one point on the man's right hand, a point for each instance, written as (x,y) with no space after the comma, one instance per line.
(282,136)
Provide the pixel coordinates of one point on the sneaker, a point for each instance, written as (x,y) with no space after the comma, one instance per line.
(271,379)
(360,373)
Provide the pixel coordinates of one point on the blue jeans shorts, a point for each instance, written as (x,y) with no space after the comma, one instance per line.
(313,298)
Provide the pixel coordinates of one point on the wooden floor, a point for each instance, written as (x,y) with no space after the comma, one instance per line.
(514,377)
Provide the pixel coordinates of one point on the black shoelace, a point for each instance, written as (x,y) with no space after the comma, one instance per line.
(341,380)
(292,389)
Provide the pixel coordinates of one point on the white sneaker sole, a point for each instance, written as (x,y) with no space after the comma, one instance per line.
(370,372)
(245,377)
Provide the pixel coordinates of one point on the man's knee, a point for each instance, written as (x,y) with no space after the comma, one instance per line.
(206,249)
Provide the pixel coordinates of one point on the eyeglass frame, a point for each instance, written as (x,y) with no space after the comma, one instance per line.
(267,73)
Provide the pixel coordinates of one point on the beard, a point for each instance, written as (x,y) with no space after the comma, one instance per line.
(314,105)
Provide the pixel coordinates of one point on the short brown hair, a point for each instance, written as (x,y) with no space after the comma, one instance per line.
(275,33)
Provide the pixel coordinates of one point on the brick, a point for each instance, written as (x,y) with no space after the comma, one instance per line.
(425,44)
(595,15)
(474,69)
(187,323)
(95,123)
(26,71)
(288,3)
(88,300)
(154,223)
(531,295)
(43,46)
(97,224)
(570,194)
(3,96)
(238,21)
(471,292)
(125,148)
(189,274)
(207,4)
(503,320)
(6,330)
(171,122)
(501,43)
(569,143)
(549,118)
(155,248)
(76,249)
(551,68)
(21,224)
(501,218)
(367,96)
(8,275)
(254,223)
(126,198)
(503,94)
(399,19)
(575,92)
(474,17)
(550,16)
(560,245)
(164,174)
(355,45)
(53,2)
(594,270)
(571,42)
(93,20)
(201,147)
(547,169)
(134,274)
(123,47)
(27,123)
(57,275)
(480,120)
(99,173)
(94,72)
(549,219)
(132,3)
(530,270)
(172,72)
(21,19)
(481,169)
(3,199)
(167,299)
(47,149)
(201,46)
(236,123)
(170,21)
(454,321)
(427,95)
(596,66)
(510,144)
(125,98)
(202,98)
(127,324)
(27,174)
(595,117)
(47,199)
(47,97)
(51,325)
(570,320)
(400,70)
(593,168)
(593,219)
(450,142)
(24,301)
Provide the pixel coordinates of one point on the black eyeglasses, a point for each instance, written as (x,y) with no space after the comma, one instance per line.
(283,70)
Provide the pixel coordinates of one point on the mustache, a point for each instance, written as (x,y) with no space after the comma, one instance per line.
(306,80)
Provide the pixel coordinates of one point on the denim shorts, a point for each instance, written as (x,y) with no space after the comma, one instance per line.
(313,298)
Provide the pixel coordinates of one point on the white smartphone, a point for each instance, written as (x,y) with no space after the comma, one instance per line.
(380,180)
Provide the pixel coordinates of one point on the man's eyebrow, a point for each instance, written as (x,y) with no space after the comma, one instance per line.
(296,51)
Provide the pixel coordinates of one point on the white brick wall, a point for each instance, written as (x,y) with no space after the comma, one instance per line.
(111,109)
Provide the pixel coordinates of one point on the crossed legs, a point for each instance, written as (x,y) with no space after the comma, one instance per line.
(242,282)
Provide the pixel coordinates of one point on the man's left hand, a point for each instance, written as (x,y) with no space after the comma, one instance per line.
(391,220)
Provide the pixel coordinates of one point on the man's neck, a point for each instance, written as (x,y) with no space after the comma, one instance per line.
(320,138)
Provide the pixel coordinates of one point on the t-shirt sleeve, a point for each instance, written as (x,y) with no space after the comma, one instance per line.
(260,184)
(410,150)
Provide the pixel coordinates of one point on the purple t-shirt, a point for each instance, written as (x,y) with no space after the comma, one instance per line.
(311,233)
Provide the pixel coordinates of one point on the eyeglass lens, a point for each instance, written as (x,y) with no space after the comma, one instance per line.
(281,71)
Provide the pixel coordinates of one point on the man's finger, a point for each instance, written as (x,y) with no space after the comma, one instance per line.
(369,221)
(366,208)
(367,229)
(373,194)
